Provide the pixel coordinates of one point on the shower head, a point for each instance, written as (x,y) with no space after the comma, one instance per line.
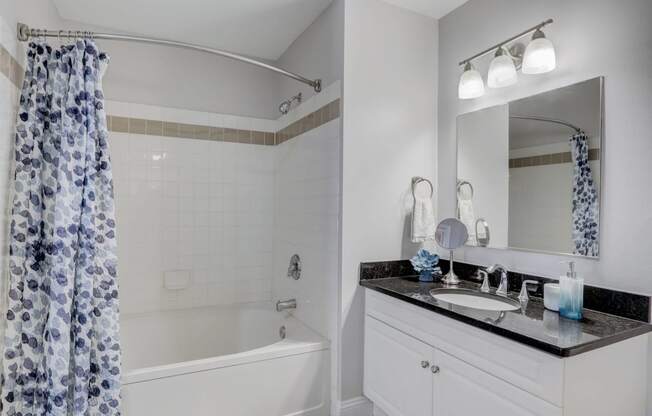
(285,106)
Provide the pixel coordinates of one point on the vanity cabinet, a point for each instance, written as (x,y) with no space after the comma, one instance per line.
(462,390)
(407,377)
(397,370)
(420,363)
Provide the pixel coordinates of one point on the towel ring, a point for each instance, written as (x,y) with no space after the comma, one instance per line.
(418,179)
(460,184)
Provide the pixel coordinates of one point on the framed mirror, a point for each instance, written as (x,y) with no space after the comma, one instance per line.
(529,172)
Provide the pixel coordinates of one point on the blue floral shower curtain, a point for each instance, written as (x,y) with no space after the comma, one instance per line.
(585,199)
(61,349)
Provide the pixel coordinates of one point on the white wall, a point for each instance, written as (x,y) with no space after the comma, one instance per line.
(540,203)
(164,76)
(540,210)
(390,67)
(317,53)
(483,160)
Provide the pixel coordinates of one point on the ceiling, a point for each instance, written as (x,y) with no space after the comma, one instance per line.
(432,8)
(258,28)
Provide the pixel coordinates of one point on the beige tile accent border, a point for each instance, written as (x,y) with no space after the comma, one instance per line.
(188,131)
(10,68)
(549,159)
(327,113)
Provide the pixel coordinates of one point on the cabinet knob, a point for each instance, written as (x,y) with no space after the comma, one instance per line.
(434,369)
(425,364)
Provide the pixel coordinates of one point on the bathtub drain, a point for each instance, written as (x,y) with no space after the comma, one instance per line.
(282,331)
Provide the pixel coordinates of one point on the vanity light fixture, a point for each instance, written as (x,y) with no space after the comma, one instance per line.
(471,84)
(539,58)
(502,71)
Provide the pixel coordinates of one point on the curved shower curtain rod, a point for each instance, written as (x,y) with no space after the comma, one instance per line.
(549,120)
(25,33)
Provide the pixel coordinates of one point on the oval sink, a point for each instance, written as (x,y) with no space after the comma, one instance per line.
(476,300)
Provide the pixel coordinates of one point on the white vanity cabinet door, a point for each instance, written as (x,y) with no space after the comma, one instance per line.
(397,373)
(462,390)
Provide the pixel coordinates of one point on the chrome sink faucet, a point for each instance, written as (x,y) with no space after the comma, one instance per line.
(502,287)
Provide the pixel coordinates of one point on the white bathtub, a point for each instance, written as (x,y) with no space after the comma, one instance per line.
(222,361)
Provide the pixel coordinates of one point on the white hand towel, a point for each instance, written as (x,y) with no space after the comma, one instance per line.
(466,214)
(423,214)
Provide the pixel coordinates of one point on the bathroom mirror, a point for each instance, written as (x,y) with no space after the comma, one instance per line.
(529,172)
(451,234)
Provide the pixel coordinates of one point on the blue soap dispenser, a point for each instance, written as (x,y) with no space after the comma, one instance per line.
(571,294)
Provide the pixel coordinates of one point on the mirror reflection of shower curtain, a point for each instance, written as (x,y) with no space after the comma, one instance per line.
(585,208)
(465,209)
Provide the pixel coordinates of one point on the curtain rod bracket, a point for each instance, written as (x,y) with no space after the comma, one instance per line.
(23,32)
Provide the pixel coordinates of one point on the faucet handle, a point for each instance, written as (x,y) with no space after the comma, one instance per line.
(523,296)
(485,281)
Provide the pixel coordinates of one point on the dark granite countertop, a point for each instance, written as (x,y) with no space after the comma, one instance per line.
(532,325)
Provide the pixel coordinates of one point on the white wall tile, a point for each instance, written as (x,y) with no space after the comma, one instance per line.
(306,198)
(206,208)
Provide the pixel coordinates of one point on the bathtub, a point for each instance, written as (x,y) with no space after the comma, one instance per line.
(229,361)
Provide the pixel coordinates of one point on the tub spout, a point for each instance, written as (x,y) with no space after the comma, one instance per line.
(283,305)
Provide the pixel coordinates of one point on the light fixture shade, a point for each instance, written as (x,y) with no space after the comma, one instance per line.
(539,56)
(471,84)
(502,71)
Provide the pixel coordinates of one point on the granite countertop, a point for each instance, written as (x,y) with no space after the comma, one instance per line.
(532,325)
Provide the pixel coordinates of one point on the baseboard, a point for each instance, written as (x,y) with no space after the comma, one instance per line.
(357,406)
(378,411)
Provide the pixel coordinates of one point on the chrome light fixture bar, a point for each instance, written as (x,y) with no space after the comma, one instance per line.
(539,58)
(25,33)
(513,38)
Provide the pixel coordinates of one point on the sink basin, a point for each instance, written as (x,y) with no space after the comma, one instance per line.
(476,300)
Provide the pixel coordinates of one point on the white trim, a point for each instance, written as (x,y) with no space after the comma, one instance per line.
(357,406)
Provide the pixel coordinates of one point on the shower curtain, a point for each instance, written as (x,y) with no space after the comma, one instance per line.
(61,349)
(585,199)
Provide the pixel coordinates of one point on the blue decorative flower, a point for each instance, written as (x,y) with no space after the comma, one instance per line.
(424,261)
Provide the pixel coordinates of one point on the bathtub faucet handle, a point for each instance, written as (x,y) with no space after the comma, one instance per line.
(283,305)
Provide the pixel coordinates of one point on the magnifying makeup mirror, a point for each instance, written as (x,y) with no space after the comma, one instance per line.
(451,234)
